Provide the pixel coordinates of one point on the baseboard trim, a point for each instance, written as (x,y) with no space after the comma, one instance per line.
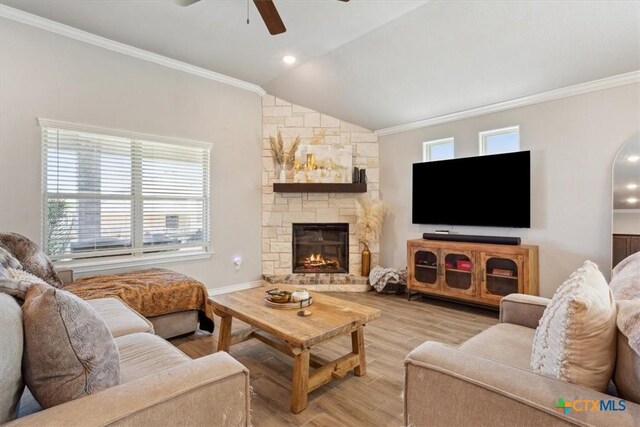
(234,288)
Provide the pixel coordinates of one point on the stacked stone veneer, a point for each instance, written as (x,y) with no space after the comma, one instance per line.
(280,210)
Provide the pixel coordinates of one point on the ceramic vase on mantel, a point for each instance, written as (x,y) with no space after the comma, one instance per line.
(282,177)
(366,261)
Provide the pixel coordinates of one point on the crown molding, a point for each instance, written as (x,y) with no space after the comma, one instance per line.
(551,95)
(125,49)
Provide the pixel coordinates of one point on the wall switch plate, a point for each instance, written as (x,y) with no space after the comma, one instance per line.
(237,262)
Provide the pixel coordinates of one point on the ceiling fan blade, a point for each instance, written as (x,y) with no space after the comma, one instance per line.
(185,3)
(344,0)
(270,16)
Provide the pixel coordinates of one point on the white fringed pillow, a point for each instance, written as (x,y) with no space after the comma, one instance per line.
(576,338)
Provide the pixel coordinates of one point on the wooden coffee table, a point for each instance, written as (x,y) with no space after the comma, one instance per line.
(294,335)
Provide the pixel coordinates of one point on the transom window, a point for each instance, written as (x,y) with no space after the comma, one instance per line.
(113,193)
(505,140)
(439,149)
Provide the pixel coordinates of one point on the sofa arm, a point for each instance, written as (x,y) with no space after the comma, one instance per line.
(212,390)
(523,310)
(445,386)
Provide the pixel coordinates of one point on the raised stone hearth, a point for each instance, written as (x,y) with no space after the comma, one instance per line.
(321,281)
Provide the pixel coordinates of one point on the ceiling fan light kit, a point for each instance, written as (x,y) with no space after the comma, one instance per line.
(267,10)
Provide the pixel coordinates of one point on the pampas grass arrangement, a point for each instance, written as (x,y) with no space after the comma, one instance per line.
(277,150)
(370,216)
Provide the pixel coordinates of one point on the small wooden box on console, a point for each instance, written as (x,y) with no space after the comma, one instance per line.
(441,268)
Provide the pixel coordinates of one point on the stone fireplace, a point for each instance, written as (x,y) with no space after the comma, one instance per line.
(320,248)
(282,211)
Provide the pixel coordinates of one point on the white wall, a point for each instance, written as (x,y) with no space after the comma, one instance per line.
(573,143)
(50,76)
(626,222)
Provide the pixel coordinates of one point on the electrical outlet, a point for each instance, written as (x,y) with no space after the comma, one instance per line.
(237,262)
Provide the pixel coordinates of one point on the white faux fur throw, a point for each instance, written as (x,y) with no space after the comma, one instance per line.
(625,284)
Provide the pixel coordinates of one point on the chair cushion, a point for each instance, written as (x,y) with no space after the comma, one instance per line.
(504,342)
(119,317)
(11,341)
(7,260)
(32,258)
(627,371)
(143,354)
(68,350)
(576,338)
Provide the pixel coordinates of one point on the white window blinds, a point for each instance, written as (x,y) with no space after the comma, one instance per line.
(108,195)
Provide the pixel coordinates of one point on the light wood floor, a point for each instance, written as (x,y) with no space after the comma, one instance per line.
(371,400)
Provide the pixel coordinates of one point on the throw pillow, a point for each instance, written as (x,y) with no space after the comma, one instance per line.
(68,350)
(32,258)
(7,260)
(576,338)
(17,282)
(11,339)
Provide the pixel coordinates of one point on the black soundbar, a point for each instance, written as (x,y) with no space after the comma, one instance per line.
(498,240)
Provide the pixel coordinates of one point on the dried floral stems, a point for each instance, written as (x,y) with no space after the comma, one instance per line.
(370,216)
(277,150)
(318,137)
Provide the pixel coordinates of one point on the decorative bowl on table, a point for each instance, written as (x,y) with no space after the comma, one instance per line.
(278,296)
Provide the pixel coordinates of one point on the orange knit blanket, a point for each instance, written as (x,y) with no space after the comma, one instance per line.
(151,292)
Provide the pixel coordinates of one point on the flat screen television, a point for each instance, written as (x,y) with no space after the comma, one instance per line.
(492,191)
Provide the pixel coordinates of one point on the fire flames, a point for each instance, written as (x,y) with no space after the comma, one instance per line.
(317,260)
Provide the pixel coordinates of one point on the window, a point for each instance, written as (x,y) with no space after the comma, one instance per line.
(111,193)
(505,140)
(439,149)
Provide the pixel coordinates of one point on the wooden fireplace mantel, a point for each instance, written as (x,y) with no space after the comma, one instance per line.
(301,187)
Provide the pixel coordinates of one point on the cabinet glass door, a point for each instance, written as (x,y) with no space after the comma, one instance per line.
(426,264)
(458,272)
(501,275)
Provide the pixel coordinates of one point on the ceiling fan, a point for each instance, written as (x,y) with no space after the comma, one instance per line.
(267,11)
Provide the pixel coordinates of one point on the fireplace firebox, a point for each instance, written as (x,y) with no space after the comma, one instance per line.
(321,248)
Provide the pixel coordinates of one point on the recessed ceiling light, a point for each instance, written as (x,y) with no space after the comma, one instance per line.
(633,158)
(632,200)
(632,186)
(289,59)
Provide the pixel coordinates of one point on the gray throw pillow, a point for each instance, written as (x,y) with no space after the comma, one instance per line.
(32,258)
(68,349)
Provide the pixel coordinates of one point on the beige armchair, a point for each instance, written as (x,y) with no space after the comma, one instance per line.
(487,380)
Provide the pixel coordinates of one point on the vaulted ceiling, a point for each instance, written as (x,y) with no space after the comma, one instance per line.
(379,63)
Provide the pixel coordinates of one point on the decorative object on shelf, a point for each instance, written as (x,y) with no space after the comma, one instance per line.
(323,163)
(370,215)
(356,175)
(284,159)
(502,272)
(363,176)
(463,264)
